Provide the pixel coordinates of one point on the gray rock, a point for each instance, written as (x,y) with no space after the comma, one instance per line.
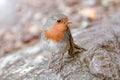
(101,61)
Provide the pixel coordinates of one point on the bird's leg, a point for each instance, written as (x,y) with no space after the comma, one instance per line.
(51,55)
(61,64)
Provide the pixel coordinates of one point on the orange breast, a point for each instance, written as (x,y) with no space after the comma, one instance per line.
(56,32)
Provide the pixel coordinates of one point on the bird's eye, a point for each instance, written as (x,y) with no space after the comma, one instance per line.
(58,21)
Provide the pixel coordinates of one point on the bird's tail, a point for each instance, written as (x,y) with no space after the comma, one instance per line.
(78,48)
(75,49)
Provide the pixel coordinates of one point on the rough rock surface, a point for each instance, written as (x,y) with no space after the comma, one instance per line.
(101,61)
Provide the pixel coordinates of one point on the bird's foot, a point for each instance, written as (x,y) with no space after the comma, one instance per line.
(59,68)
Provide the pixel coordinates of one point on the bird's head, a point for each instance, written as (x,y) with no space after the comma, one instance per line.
(57,19)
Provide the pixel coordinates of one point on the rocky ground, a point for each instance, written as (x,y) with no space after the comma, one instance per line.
(23,58)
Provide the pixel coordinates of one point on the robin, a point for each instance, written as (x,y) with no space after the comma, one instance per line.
(57,39)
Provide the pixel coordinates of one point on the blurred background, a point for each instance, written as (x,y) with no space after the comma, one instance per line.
(21,20)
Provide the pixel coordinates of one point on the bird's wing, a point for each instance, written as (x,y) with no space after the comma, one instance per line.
(73,47)
(71,43)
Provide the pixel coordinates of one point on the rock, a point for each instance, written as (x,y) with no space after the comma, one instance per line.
(101,61)
(102,64)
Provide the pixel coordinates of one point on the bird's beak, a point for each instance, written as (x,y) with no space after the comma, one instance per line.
(69,22)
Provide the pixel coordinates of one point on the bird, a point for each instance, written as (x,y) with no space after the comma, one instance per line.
(56,38)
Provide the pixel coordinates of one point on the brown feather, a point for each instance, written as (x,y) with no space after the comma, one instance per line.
(73,47)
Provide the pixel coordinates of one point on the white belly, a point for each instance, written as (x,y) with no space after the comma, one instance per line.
(54,47)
